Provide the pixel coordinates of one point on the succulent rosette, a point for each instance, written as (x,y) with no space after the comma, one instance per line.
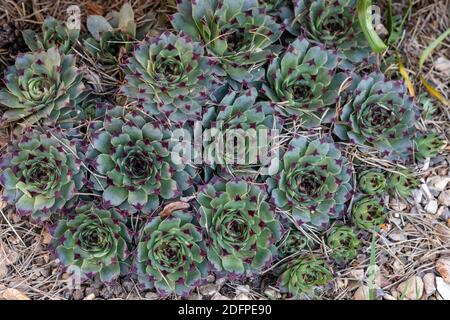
(92,242)
(170,254)
(40,173)
(372,182)
(313,182)
(402,183)
(54,34)
(380,114)
(41,86)
(295,241)
(303,274)
(368,212)
(241,229)
(343,243)
(133,164)
(303,81)
(238,32)
(169,75)
(253,124)
(113,37)
(333,23)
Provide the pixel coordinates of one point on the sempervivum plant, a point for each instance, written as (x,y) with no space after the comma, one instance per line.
(333,23)
(294,242)
(372,182)
(240,226)
(111,39)
(428,146)
(40,173)
(303,274)
(41,86)
(303,81)
(239,116)
(313,182)
(343,243)
(171,75)
(92,242)
(368,213)
(54,34)
(170,256)
(237,32)
(402,183)
(379,113)
(133,162)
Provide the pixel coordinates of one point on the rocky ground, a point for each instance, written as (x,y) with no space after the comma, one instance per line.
(412,250)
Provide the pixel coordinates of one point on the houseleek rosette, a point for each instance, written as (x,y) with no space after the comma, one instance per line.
(170,255)
(40,173)
(380,114)
(93,242)
(134,167)
(238,32)
(343,243)
(304,81)
(333,23)
(313,183)
(169,75)
(42,86)
(241,230)
(303,274)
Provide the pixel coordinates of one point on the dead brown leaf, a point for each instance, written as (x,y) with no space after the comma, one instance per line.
(13,294)
(94,9)
(171,207)
(46,237)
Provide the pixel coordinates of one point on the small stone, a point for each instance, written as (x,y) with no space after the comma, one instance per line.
(242,289)
(438,183)
(397,236)
(357,274)
(443,213)
(218,296)
(431,207)
(209,289)
(362,293)
(242,296)
(210,278)
(397,205)
(90,296)
(78,294)
(442,64)
(389,297)
(151,296)
(417,195)
(91,290)
(444,198)
(429,283)
(412,288)
(272,294)
(443,268)
(443,288)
